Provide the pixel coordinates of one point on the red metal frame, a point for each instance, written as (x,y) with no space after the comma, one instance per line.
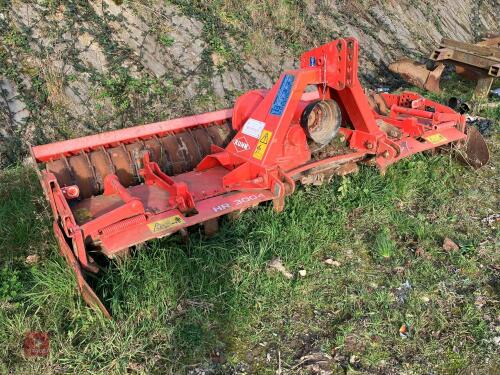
(262,162)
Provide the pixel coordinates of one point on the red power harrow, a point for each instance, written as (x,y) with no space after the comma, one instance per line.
(111,191)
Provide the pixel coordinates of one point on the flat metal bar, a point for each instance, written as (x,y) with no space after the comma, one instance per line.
(474,60)
(486,51)
(50,151)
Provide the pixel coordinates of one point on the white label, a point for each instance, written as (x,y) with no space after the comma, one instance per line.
(221,207)
(253,128)
(237,202)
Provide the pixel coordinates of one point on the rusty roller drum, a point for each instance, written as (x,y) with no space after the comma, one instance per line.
(175,153)
(101,161)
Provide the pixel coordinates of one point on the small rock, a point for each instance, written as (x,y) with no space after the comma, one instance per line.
(449,245)
(402,292)
(496,340)
(303,273)
(32,259)
(276,265)
(331,262)
(425,299)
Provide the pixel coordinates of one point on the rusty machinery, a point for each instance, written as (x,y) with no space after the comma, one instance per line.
(478,62)
(111,191)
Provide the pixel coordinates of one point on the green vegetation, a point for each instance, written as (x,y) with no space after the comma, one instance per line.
(167,40)
(122,88)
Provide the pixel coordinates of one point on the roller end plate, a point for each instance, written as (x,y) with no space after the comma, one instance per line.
(475,153)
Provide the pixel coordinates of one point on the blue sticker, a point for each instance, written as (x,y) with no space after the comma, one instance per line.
(282,96)
(312,61)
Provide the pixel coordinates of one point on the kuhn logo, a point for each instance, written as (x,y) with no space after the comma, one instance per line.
(241,144)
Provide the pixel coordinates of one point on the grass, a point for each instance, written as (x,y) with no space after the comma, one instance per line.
(166,40)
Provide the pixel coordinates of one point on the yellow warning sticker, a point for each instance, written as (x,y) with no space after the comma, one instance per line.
(436,138)
(164,224)
(264,140)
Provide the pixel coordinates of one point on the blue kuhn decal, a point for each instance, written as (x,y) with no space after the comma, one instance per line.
(312,61)
(282,96)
